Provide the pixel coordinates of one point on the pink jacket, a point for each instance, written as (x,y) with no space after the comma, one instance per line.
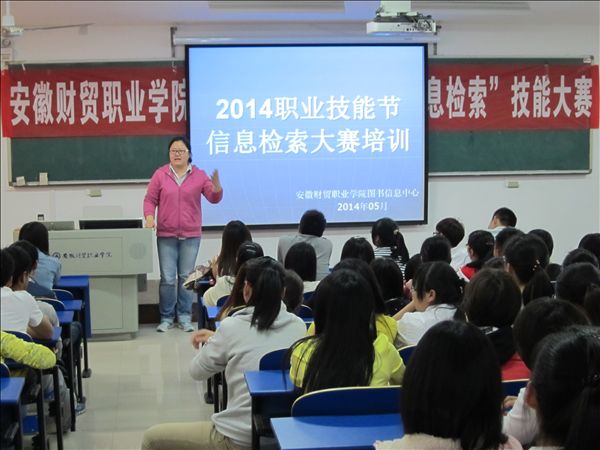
(179,207)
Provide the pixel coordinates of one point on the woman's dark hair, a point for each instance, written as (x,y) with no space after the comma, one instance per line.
(579,283)
(302,259)
(461,354)
(566,382)
(502,238)
(358,247)
(234,234)
(580,255)
(389,277)
(37,234)
(7,268)
(436,248)
(443,279)
(591,242)
(247,251)
(22,262)
(362,268)
(492,299)
(387,234)
(313,223)
(412,266)
(344,333)
(541,317)
(267,278)
(528,256)
(497,262)
(546,237)
(30,249)
(481,243)
(294,288)
(185,141)
(451,229)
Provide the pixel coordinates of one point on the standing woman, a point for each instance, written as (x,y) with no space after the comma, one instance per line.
(176,189)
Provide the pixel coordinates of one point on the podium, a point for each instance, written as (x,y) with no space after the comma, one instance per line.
(113,259)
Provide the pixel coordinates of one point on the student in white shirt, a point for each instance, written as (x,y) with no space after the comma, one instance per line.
(502,218)
(436,291)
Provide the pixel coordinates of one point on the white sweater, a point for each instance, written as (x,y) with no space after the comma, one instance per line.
(237,347)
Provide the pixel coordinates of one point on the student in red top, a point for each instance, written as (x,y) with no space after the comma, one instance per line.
(480,247)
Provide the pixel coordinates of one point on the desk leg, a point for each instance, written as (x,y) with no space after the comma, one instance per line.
(17,417)
(57,412)
(85,322)
(71,372)
(40,415)
(255,436)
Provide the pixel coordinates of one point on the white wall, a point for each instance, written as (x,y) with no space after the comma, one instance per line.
(566,205)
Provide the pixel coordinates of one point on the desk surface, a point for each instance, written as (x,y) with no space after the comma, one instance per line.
(73,305)
(65,317)
(336,432)
(53,340)
(268,382)
(10,390)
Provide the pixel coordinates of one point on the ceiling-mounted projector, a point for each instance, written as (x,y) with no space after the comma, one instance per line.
(395,17)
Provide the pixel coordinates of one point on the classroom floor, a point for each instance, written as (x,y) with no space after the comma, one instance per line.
(135,384)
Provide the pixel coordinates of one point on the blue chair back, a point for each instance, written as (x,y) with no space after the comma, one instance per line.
(275,360)
(56,304)
(4,371)
(512,387)
(406,353)
(349,401)
(222,300)
(307,296)
(63,294)
(304,312)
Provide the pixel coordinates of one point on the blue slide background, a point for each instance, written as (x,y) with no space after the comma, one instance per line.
(264,188)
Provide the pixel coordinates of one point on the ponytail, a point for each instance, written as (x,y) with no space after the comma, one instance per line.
(538,286)
(267,278)
(399,250)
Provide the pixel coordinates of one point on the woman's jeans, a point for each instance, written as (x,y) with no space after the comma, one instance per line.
(177,259)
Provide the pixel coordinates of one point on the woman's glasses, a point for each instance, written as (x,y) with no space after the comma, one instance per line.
(178,151)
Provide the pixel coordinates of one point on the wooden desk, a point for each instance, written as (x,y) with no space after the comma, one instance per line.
(80,285)
(10,400)
(336,432)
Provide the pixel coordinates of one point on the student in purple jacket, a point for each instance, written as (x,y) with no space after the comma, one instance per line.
(176,190)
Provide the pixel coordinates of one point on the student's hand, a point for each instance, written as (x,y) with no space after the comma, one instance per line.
(214,267)
(216,182)
(508,403)
(200,337)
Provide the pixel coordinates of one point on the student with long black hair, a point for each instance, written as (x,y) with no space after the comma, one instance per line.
(480,247)
(346,350)
(436,293)
(236,347)
(452,394)
(565,390)
(579,284)
(389,242)
(526,259)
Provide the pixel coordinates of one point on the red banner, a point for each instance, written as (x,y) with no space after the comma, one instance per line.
(146,100)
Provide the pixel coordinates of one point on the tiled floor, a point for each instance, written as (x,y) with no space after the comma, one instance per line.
(135,384)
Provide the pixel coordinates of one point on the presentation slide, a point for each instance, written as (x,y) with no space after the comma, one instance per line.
(337,128)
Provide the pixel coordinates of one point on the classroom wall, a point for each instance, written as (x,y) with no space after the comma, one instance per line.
(566,205)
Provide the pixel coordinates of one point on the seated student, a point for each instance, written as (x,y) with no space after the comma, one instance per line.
(436,293)
(491,302)
(412,265)
(502,218)
(247,251)
(436,248)
(580,255)
(33,287)
(224,266)
(358,247)
(302,259)
(294,288)
(502,238)
(345,351)
(591,242)
(389,242)
(389,278)
(480,247)
(383,323)
(28,353)
(454,231)
(537,320)
(236,347)
(552,269)
(20,312)
(526,258)
(312,226)
(452,393)
(48,269)
(564,390)
(579,284)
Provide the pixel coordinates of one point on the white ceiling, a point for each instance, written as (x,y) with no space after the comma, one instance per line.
(54,13)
